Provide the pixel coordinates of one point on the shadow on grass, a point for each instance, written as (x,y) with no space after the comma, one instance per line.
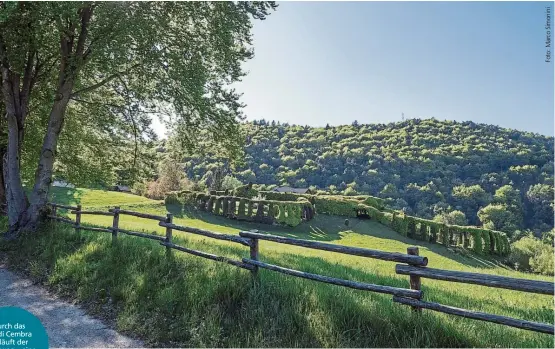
(182,300)
(330,228)
(66,196)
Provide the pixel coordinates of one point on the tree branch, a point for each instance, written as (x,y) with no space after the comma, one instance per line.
(103,82)
(86,14)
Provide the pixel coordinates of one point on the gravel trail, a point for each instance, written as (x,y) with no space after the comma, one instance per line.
(67,325)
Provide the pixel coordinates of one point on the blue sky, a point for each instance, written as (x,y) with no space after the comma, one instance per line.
(335,62)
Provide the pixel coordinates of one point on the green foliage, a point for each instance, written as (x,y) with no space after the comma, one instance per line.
(282,219)
(531,254)
(499,217)
(444,234)
(184,300)
(139,188)
(386,219)
(230,183)
(477,244)
(245,191)
(452,218)
(119,65)
(284,212)
(336,206)
(540,205)
(279,196)
(293,214)
(424,170)
(218,206)
(225,207)
(487,248)
(242,212)
(172,199)
(400,224)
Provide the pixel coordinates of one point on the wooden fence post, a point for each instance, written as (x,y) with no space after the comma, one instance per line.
(169,219)
(115,225)
(78,219)
(415,282)
(54,212)
(254,254)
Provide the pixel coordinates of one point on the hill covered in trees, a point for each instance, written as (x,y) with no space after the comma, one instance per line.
(460,172)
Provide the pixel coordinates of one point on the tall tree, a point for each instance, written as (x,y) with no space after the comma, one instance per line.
(180,55)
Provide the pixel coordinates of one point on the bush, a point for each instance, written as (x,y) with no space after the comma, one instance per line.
(335,206)
(531,254)
(172,199)
(155,191)
(230,183)
(139,188)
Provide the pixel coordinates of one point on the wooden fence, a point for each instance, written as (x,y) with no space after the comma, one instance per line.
(413,265)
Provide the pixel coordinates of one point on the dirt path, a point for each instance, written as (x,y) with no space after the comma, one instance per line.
(67,325)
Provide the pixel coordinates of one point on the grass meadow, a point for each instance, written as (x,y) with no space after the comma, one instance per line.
(180,300)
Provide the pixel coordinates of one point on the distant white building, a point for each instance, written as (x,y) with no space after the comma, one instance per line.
(293,190)
(122,188)
(62,184)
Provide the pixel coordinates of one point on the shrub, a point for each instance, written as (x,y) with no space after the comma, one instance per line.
(245,191)
(487,241)
(139,188)
(335,206)
(242,208)
(172,199)
(477,244)
(230,183)
(218,206)
(400,224)
(530,254)
(411,226)
(293,215)
(155,191)
(387,219)
(542,262)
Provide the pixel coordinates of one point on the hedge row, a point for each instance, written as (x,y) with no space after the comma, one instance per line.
(291,208)
(481,241)
(290,213)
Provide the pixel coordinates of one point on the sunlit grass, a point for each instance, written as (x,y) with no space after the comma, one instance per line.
(185,300)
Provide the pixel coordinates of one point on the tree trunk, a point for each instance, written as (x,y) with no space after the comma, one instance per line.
(2,183)
(16,105)
(43,175)
(15,196)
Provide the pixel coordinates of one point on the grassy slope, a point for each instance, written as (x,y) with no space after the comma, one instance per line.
(217,305)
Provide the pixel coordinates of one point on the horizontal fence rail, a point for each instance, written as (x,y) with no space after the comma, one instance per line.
(413,265)
(233,238)
(209,256)
(533,286)
(100,213)
(61,219)
(64,206)
(356,251)
(341,282)
(498,319)
(142,235)
(139,214)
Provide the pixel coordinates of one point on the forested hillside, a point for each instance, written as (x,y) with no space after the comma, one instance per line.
(496,177)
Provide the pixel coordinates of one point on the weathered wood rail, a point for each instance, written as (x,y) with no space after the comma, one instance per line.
(526,285)
(413,265)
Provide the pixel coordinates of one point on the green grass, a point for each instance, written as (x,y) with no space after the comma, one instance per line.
(183,300)
(95,197)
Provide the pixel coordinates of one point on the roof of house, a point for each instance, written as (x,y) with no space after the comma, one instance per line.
(291,190)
